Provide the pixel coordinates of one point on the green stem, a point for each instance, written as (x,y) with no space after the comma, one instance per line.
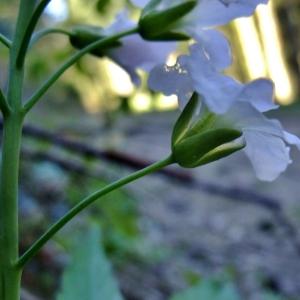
(16,73)
(86,202)
(40,34)
(71,61)
(5,41)
(10,274)
(29,30)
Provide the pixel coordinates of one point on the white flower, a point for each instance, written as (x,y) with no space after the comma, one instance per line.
(266,140)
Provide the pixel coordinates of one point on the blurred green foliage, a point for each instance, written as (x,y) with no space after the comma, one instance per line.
(89,275)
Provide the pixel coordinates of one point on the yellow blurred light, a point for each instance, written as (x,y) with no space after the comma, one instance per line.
(172,58)
(251,47)
(166,102)
(141,102)
(119,81)
(274,53)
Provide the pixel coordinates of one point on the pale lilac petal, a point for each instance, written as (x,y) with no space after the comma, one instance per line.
(218,91)
(246,117)
(172,80)
(260,94)
(268,154)
(216,46)
(135,52)
(140,3)
(265,140)
(122,22)
(210,13)
(291,139)
(138,53)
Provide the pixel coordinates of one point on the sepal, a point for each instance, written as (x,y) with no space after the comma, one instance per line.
(200,142)
(159,25)
(221,152)
(185,119)
(190,151)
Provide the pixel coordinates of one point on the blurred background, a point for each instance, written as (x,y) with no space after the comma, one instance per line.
(171,231)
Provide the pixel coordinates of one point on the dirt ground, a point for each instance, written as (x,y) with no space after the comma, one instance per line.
(208,227)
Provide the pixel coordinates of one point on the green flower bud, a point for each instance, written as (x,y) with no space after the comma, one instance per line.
(160,25)
(201,142)
(82,36)
(190,151)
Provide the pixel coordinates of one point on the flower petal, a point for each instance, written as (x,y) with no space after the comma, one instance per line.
(122,22)
(216,46)
(172,80)
(210,13)
(265,140)
(137,53)
(246,117)
(291,139)
(218,91)
(260,94)
(268,154)
(140,3)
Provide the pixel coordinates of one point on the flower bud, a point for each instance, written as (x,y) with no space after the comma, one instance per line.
(155,24)
(82,36)
(191,151)
(201,142)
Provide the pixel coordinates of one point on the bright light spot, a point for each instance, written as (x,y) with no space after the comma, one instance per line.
(119,80)
(274,53)
(251,47)
(166,102)
(171,60)
(57,9)
(141,102)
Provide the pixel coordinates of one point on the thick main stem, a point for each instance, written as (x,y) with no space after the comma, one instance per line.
(9,273)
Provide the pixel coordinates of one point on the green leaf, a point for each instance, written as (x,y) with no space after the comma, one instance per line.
(154,24)
(208,290)
(184,121)
(189,151)
(89,276)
